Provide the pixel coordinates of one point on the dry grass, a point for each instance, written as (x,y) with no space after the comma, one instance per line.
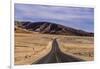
(30,47)
(82,47)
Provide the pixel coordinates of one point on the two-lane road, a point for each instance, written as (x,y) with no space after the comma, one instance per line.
(56,56)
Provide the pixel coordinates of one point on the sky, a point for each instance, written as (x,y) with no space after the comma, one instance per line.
(81,18)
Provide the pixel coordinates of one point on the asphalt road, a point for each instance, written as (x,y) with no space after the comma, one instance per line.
(56,56)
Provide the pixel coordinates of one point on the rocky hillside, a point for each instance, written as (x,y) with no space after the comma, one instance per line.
(51,28)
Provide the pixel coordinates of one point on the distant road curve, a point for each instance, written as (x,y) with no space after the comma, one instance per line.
(56,56)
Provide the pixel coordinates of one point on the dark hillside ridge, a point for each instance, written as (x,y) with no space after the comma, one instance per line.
(52,28)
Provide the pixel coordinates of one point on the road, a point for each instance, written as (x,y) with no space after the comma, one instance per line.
(56,56)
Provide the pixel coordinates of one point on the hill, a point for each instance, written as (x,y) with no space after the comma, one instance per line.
(51,28)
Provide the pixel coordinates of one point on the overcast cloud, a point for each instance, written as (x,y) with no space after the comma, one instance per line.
(76,17)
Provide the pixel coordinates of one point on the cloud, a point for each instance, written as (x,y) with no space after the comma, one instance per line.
(77,17)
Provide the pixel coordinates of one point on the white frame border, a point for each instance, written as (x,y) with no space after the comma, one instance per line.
(57,3)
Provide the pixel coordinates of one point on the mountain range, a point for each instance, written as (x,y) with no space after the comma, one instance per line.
(51,28)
